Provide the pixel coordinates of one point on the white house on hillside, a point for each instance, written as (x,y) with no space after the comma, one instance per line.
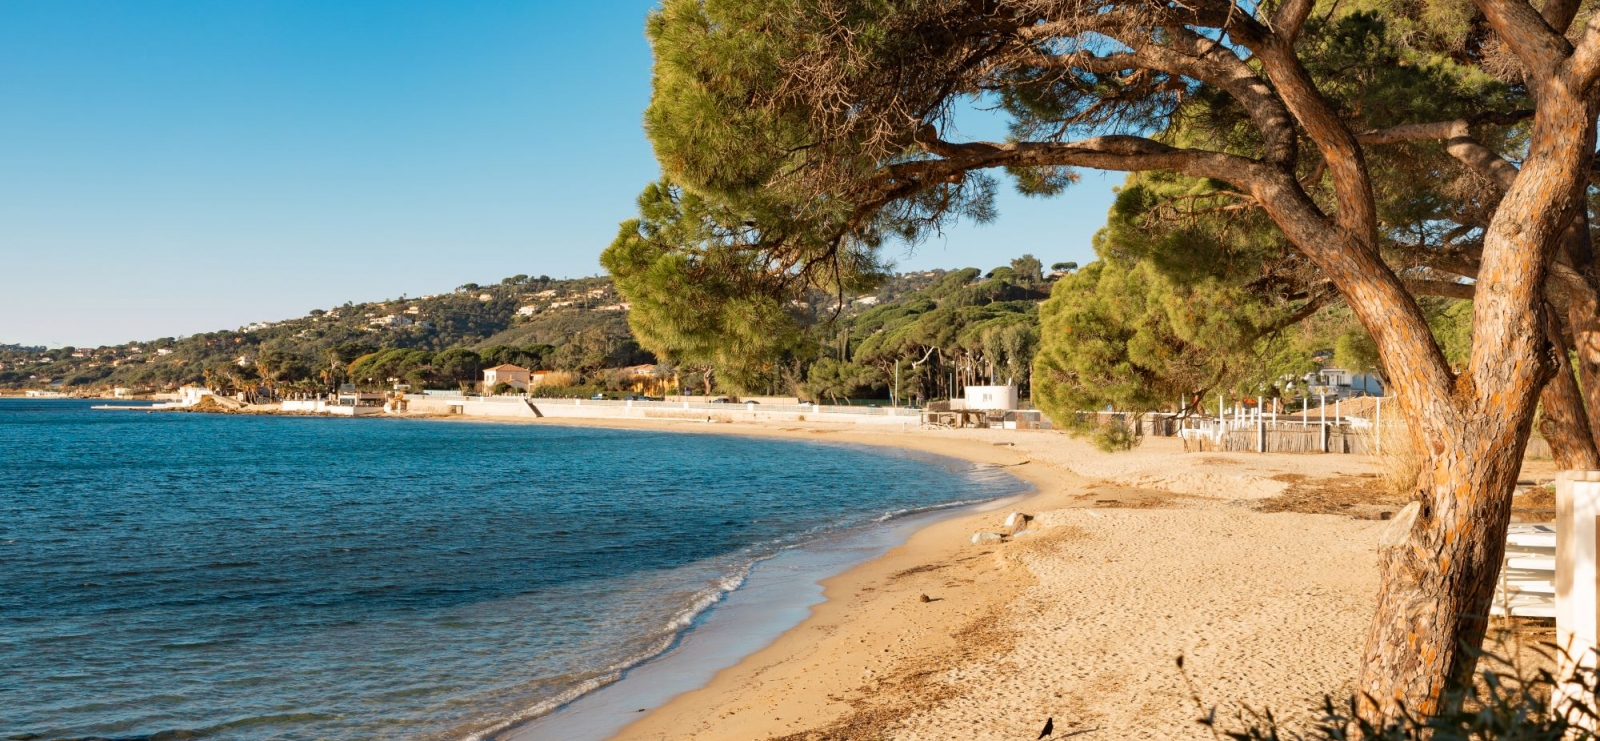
(515,376)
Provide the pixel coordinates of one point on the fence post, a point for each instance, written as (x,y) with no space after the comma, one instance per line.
(1222,417)
(1323,411)
(1261,431)
(1377,423)
(1577,513)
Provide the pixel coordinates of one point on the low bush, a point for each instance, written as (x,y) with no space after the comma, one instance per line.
(549,391)
(1116,435)
(1506,703)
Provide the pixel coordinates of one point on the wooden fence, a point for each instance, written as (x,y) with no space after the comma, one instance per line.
(1285,435)
(1294,438)
(1284,438)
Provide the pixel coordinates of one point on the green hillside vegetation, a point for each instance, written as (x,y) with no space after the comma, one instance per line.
(438,341)
(939,327)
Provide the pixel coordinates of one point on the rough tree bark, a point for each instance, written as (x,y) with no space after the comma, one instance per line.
(1439,582)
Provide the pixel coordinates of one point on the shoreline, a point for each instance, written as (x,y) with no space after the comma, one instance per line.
(1260,569)
(575,719)
(777,595)
(1079,620)
(841,593)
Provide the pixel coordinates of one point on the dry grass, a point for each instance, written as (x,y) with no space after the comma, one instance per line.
(1113,496)
(1366,497)
(1398,463)
(1534,504)
(559,378)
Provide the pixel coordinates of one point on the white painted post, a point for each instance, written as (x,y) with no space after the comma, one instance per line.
(1261,429)
(1377,423)
(1222,414)
(1577,514)
(1322,422)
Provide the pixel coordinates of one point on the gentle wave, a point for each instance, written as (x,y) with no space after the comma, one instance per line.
(315,579)
(685,619)
(675,629)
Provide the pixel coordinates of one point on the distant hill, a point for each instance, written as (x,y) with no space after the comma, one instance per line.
(516,311)
(522,319)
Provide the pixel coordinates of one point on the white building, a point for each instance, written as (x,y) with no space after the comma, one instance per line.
(991,398)
(190,394)
(514,376)
(1339,383)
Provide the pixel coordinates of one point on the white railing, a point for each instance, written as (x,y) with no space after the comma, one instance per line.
(702,406)
(705,406)
(1527,585)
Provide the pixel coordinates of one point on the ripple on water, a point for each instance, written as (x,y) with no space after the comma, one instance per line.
(193,576)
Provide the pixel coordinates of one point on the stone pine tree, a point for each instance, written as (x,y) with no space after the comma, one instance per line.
(829,124)
(700,293)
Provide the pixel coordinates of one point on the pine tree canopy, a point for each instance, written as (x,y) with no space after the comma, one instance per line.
(808,134)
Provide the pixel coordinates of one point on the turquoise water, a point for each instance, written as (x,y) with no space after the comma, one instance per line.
(199,576)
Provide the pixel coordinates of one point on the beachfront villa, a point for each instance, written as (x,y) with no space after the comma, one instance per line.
(190,394)
(357,401)
(514,376)
(1339,383)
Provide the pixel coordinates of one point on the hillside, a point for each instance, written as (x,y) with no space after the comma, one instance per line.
(578,325)
(519,311)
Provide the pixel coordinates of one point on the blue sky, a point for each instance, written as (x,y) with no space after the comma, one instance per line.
(176,167)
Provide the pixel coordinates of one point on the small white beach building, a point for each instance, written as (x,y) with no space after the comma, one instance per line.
(190,394)
(991,398)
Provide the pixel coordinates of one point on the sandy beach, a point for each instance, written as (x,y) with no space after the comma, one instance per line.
(1259,569)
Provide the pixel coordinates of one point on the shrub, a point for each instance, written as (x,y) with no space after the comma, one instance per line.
(549,391)
(1117,434)
(559,379)
(1506,703)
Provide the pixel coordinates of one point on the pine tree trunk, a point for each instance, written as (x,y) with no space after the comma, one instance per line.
(1565,423)
(1440,562)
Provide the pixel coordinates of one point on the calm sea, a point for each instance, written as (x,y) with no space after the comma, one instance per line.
(198,576)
